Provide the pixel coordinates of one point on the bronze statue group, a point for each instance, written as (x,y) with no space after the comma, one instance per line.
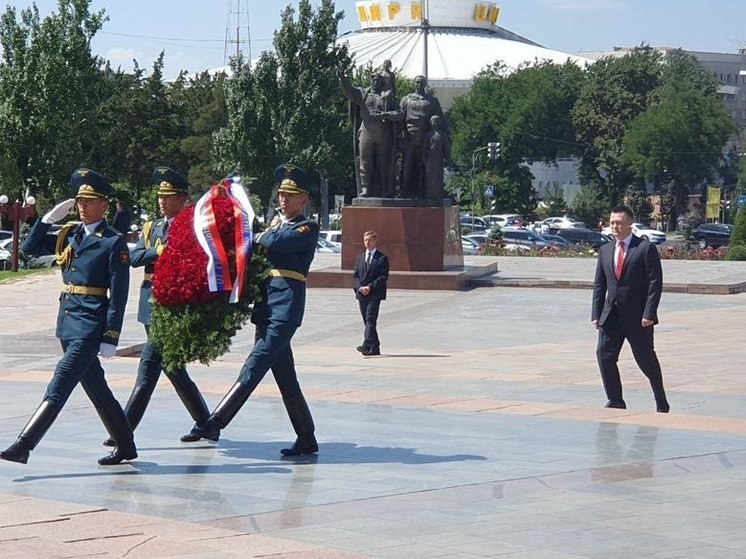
(401,147)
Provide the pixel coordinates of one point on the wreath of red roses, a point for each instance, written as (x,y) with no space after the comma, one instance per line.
(181,270)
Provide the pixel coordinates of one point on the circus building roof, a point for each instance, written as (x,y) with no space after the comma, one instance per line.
(449,41)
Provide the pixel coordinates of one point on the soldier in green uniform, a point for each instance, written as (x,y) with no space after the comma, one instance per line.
(95,263)
(290,245)
(173,191)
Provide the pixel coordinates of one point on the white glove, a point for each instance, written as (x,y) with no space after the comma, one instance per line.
(107,350)
(59,211)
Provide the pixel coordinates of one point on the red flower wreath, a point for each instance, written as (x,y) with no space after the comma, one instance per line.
(189,323)
(181,270)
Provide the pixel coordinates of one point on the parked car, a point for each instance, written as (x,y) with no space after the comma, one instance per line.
(555,240)
(713,234)
(5,235)
(472,222)
(523,237)
(334,237)
(502,220)
(470,246)
(582,236)
(322,245)
(45,260)
(552,224)
(640,230)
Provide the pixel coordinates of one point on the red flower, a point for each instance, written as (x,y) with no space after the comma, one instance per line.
(181,270)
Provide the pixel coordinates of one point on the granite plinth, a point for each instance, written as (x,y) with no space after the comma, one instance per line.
(415,238)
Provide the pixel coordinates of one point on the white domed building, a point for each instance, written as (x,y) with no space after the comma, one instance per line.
(448,41)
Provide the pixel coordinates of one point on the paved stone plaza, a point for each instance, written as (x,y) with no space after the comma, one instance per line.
(480,432)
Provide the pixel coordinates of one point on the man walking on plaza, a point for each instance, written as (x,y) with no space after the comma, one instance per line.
(370,277)
(94,262)
(290,245)
(173,192)
(626,293)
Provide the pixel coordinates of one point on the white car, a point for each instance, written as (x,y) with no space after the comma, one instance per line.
(552,223)
(639,230)
(334,237)
(6,257)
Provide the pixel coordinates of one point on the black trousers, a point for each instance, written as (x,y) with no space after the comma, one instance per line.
(369,311)
(611,336)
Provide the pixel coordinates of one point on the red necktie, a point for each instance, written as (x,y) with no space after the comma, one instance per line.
(619,260)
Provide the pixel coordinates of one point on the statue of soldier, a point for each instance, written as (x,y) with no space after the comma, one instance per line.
(418,108)
(374,118)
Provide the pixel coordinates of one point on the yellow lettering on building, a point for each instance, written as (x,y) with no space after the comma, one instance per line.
(416,9)
(494,14)
(362,14)
(375,12)
(394,9)
(480,12)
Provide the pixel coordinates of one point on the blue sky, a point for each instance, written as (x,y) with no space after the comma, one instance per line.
(192,32)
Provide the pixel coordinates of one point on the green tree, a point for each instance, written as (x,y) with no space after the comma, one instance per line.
(616,90)
(527,111)
(48,81)
(289,107)
(677,142)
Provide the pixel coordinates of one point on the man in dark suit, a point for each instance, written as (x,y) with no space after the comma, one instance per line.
(626,293)
(95,266)
(173,195)
(370,276)
(289,245)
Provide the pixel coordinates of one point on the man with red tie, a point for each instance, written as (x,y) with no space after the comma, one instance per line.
(626,293)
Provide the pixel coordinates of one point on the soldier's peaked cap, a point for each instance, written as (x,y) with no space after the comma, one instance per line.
(89,184)
(169,181)
(293,180)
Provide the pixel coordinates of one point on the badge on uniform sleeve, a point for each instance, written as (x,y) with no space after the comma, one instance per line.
(124,257)
(304,228)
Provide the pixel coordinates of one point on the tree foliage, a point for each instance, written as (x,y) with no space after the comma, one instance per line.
(289,106)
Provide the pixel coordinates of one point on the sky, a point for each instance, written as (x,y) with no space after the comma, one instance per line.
(193,32)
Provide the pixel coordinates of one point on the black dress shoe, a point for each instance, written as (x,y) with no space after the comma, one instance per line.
(17,452)
(301,446)
(110,442)
(372,351)
(190,437)
(616,404)
(663,408)
(206,430)
(126,451)
(361,348)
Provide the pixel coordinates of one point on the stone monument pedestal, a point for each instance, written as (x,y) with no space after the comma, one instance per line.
(416,235)
(422,239)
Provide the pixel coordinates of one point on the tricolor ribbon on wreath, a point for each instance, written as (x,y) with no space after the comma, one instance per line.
(218,258)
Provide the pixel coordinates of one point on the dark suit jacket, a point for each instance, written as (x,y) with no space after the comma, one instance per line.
(637,292)
(376,276)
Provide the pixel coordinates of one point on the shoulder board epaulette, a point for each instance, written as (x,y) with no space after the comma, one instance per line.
(146,230)
(306,222)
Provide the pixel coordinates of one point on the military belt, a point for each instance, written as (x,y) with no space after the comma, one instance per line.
(147,277)
(84,290)
(281,273)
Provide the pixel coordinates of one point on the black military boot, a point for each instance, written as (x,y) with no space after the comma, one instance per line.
(193,401)
(300,417)
(224,413)
(135,409)
(119,428)
(35,429)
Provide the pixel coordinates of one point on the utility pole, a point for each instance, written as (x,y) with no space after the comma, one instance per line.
(237,20)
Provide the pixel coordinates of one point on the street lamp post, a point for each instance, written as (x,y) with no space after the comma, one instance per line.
(16,213)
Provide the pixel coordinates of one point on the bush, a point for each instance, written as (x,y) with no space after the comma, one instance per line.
(737,252)
(738,236)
